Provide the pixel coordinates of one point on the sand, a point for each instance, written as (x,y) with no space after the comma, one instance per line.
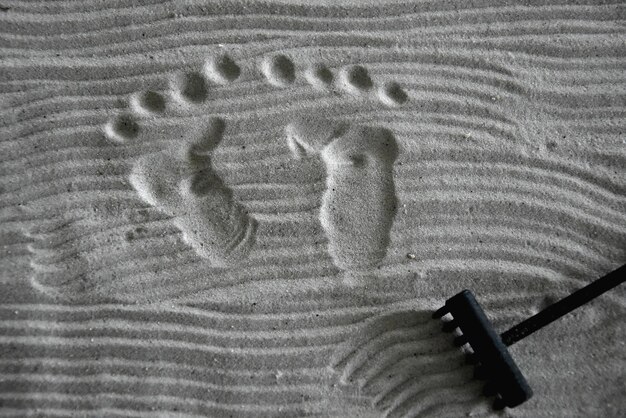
(250,209)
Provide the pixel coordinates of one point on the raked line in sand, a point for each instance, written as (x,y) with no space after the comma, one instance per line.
(477,145)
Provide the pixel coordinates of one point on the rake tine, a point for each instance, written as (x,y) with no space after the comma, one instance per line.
(480,373)
(440,312)
(490,389)
(471,358)
(449,326)
(494,361)
(489,350)
(460,340)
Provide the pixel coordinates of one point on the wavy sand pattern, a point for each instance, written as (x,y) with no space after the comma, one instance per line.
(248,208)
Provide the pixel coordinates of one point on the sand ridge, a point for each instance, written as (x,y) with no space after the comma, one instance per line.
(248,208)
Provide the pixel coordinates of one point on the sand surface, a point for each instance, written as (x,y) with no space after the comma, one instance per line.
(249,209)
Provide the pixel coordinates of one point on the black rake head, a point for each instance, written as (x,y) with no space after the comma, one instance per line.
(491,356)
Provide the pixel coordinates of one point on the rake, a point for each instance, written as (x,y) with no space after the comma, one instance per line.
(490,354)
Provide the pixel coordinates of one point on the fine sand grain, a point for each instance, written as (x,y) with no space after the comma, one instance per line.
(249,209)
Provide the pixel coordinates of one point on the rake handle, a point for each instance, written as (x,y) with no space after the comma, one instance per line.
(564,306)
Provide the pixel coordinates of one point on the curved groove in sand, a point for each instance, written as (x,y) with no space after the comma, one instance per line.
(399,394)
(378,23)
(509,180)
(401,358)
(131,270)
(130,401)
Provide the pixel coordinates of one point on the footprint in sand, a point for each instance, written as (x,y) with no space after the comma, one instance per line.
(358,205)
(180,180)
(359,202)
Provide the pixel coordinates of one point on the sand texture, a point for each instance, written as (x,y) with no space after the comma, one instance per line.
(250,209)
